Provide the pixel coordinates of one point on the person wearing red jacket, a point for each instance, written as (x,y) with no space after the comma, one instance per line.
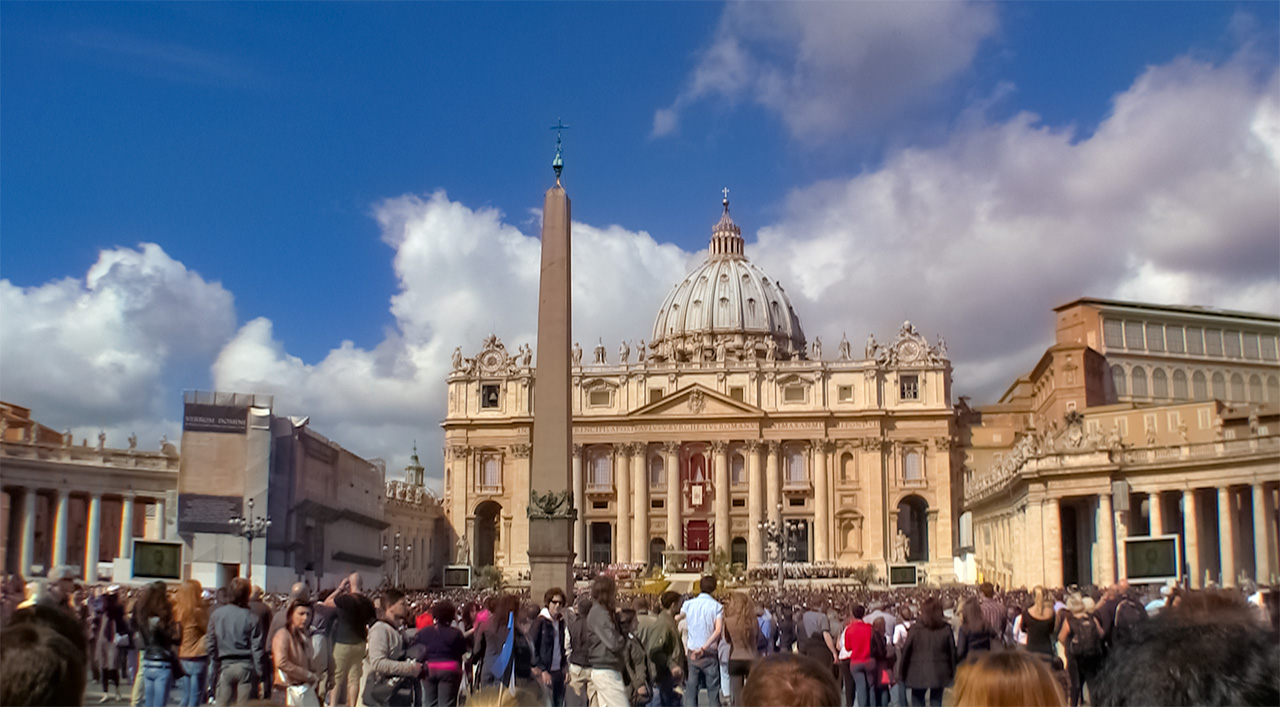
(862,665)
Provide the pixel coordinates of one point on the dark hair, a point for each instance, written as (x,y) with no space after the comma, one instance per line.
(604,591)
(391,597)
(55,618)
(40,666)
(669,599)
(443,612)
(707,585)
(931,614)
(971,618)
(625,617)
(987,589)
(552,593)
(154,604)
(859,611)
(790,679)
(324,594)
(505,606)
(640,603)
(1222,657)
(238,592)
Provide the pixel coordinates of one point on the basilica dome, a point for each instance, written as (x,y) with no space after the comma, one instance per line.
(727,308)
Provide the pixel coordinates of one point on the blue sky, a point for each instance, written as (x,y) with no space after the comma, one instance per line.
(271,151)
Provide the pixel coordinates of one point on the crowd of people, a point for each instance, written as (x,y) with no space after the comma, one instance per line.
(845,645)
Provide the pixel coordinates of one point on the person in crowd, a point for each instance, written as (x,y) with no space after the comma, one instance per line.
(580,691)
(606,651)
(295,681)
(816,640)
(60,587)
(975,634)
(1208,650)
(993,612)
(666,651)
(1006,679)
(1082,636)
(443,647)
(42,659)
(299,592)
(192,618)
(355,612)
(1037,623)
(705,618)
(112,642)
(768,629)
(927,661)
(387,669)
(493,637)
(260,610)
(792,680)
(234,640)
(786,630)
(638,669)
(550,635)
(1128,616)
(882,651)
(324,615)
(159,637)
(140,600)
(863,673)
(742,632)
(882,610)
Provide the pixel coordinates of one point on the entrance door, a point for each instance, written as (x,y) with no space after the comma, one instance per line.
(697,540)
(601,543)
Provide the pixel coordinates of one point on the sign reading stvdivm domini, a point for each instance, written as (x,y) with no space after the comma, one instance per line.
(197,417)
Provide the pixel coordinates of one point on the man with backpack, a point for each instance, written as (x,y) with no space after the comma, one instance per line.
(1082,636)
(1129,614)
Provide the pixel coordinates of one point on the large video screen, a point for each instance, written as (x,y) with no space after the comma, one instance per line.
(903,576)
(457,576)
(1152,560)
(157,560)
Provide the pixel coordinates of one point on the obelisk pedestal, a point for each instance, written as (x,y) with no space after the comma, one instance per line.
(551,507)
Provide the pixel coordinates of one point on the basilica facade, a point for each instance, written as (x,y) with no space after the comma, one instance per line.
(728,417)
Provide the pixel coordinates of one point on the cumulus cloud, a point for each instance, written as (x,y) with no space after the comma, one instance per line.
(92,353)
(826,67)
(1174,198)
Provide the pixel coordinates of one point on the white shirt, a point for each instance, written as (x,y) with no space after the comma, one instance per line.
(900,632)
(700,614)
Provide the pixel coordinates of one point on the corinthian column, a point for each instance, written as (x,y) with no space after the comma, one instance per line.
(721,462)
(580,503)
(755,547)
(671,465)
(821,503)
(640,506)
(772,482)
(622,484)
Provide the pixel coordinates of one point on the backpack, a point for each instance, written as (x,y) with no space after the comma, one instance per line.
(1129,614)
(1085,640)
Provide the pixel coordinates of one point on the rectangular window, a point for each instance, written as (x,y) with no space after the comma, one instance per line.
(793,394)
(1263,430)
(489,396)
(1229,434)
(1123,425)
(1149,422)
(909,387)
(1174,338)
(1155,337)
(796,502)
(657,503)
(844,393)
(1133,339)
(739,503)
(1094,427)
(1113,333)
(997,437)
(598,398)
(737,393)
(1195,341)
(600,505)
(1174,419)
(1231,344)
(1268,347)
(491,472)
(1251,346)
(1213,342)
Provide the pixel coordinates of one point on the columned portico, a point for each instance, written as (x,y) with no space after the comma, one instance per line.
(126,526)
(1106,546)
(1263,537)
(1155,513)
(720,462)
(28,530)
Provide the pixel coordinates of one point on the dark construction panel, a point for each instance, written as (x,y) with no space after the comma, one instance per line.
(201,513)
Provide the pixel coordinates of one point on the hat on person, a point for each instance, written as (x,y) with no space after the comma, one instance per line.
(61,572)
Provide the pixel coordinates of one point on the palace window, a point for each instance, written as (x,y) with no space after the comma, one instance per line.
(797,502)
(1195,341)
(1133,338)
(737,393)
(844,393)
(601,469)
(911,467)
(1255,389)
(600,397)
(739,503)
(1213,342)
(657,471)
(1113,333)
(1251,346)
(1204,418)
(1174,339)
(655,394)
(737,470)
(1160,384)
(1273,389)
(1173,419)
(793,394)
(1237,388)
(1179,384)
(490,472)
(1219,386)
(797,473)
(489,396)
(1268,343)
(1199,387)
(909,387)
(1155,337)
(1119,381)
(1231,344)
(1139,382)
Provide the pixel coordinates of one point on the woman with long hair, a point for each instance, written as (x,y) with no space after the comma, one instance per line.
(742,631)
(192,618)
(604,644)
(1006,679)
(159,635)
(975,634)
(293,681)
(928,659)
(112,642)
(1037,623)
(491,637)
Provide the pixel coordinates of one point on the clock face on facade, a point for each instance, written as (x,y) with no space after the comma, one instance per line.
(908,350)
(491,361)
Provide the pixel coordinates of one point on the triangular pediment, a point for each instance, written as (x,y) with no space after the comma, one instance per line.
(697,401)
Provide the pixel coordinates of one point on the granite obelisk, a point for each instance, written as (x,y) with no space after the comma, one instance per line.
(551,510)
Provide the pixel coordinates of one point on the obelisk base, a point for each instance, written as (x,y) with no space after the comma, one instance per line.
(550,565)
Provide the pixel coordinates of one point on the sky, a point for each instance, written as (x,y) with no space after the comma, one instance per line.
(320,201)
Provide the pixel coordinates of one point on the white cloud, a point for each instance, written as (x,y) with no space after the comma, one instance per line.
(92,353)
(826,67)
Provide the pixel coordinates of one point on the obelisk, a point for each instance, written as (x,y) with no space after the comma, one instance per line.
(551,511)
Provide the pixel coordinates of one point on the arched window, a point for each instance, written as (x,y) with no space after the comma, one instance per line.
(1199,387)
(1118,380)
(1179,384)
(847,471)
(797,469)
(490,471)
(737,470)
(738,551)
(657,471)
(1160,384)
(911,468)
(601,468)
(1219,386)
(1237,388)
(1255,389)
(1139,382)
(1273,389)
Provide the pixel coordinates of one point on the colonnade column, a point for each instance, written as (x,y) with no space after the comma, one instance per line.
(1261,537)
(755,548)
(1227,537)
(60,529)
(640,507)
(1106,544)
(1191,537)
(126,526)
(162,530)
(721,461)
(91,546)
(28,531)
(580,503)
(821,504)
(772,485)
(622,484)
(671,465)
(1052,542)
(1155,514)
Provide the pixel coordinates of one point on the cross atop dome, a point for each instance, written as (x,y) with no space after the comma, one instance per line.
(726,237)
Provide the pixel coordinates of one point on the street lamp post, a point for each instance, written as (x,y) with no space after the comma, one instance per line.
(396,556)
(779,535)
(250,528)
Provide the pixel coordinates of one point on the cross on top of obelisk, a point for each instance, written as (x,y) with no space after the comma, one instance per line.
(558,163)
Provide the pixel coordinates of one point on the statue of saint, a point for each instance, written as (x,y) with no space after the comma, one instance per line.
(526,356)
(817,348)
(872,347)
(846,351)
(624,352)
(770,349)
(133,441)
(722,351)
(901,547)
(577,354)
(457,359)
(463,549)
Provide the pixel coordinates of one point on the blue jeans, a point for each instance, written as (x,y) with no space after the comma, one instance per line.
(191,687)
(706,674)
(158,677)
(864,681)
